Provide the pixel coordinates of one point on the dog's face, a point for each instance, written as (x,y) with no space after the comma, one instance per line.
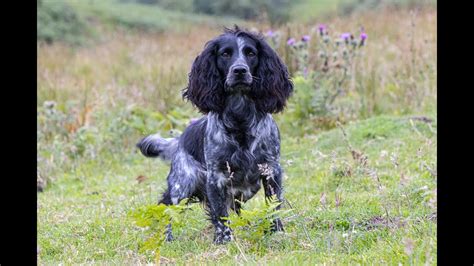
(238,61)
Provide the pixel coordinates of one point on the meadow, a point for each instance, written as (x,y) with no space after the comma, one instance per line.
(359,137)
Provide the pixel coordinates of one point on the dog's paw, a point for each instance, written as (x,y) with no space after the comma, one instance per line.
(223,235)
(277,226)
(169,237)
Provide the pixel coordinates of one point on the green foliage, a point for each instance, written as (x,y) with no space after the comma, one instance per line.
(59,21)
(127,15)
(65,139)
(254,225)
(155,219)
(275,10)
(74,21)
(318,88)
(348,7)
(305,11)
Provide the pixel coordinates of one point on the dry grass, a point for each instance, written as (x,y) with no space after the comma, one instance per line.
(398,67)
(142,69)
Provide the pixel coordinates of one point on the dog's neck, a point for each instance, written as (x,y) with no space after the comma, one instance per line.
(239,116)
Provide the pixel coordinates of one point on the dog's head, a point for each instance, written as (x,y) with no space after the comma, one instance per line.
(238,62)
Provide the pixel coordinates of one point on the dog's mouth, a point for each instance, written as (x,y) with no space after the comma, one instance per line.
(242,84)
(240,87)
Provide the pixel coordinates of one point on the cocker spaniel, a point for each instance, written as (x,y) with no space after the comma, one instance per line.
(237,82)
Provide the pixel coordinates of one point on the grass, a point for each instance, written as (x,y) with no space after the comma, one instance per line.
(307,11)
(86,23)
(339,214)
(150,18)
(368,198)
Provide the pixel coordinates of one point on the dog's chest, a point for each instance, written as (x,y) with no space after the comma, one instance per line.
(240,150)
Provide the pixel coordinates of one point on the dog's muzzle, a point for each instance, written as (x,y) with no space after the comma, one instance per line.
(239,76)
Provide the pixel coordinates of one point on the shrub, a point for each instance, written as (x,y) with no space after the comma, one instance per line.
(59,21)
(317,87)
(255,225)
(276,11)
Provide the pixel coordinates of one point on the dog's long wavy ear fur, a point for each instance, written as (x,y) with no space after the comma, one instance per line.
(273,85)
(205,87)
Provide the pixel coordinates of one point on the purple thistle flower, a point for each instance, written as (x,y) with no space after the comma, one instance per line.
(363,37)
(321,28)
(306,38)
(291,41)
(345,36)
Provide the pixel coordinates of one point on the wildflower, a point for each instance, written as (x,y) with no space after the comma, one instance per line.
(345,37)
(291,41)
(305,38)
(321,29)
(270,33)
(363,37)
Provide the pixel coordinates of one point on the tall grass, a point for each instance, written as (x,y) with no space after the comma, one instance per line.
(396,70)
(398,66)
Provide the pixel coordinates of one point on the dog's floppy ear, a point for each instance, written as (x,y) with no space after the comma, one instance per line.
(205,87)
(273,86)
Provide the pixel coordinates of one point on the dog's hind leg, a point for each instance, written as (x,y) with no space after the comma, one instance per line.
(183,180)
(166,199)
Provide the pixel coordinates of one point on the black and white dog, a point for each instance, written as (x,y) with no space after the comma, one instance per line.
(238,81)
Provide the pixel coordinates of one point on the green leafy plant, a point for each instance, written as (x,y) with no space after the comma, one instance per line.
(155,219)
(319,85)
(59,21)
(254,225)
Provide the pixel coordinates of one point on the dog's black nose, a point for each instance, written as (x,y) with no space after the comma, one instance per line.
(240,70)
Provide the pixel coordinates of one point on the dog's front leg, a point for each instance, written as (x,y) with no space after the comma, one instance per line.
(217,200)
(272,184)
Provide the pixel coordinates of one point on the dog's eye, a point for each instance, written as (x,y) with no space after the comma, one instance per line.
(250,54)
(225,54)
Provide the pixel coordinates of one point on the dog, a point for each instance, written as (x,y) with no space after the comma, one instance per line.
(237,82)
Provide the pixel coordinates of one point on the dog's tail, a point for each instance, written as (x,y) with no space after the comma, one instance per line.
(156,146)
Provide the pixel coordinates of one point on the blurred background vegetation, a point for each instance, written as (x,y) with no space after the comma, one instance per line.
(111,71)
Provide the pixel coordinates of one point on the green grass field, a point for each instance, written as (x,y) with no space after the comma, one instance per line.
(362,191)
(343,212)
